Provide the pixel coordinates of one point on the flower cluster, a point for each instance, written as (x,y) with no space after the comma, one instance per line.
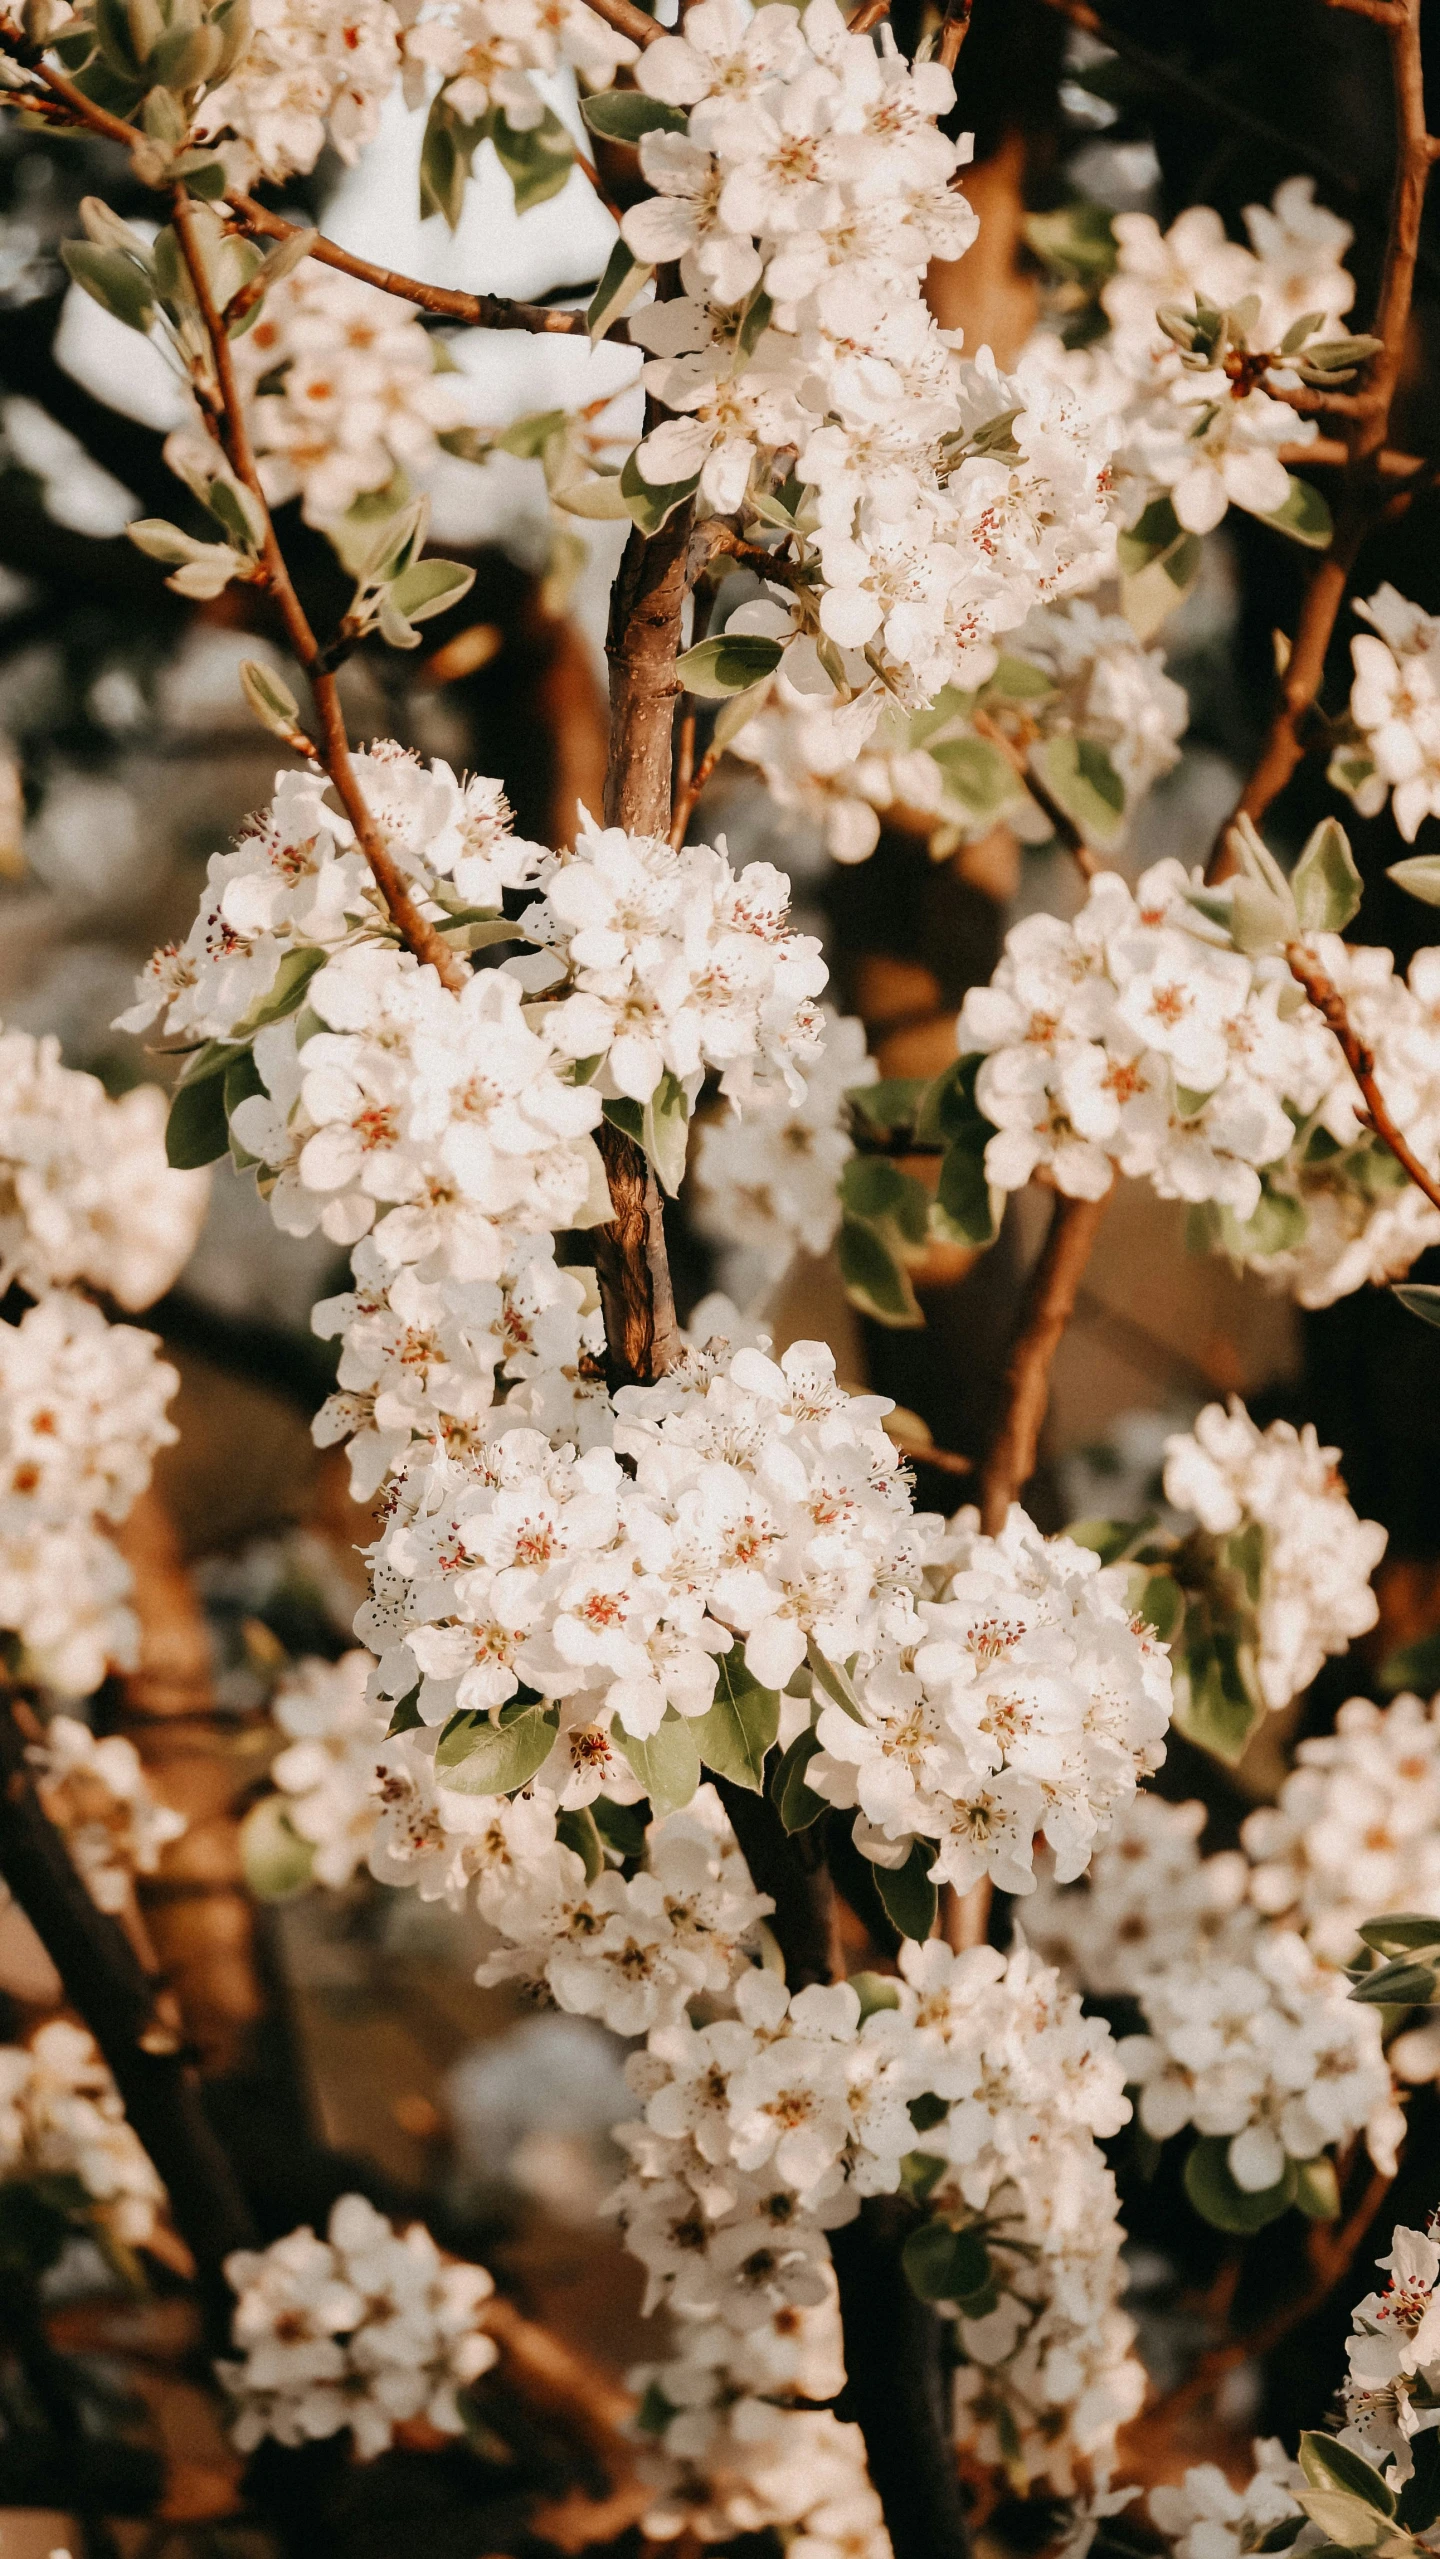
(342,390)
(326,1772)
(1198,422)
(771,1180)
(295,888)
(1026,1699)
(1353,1214)
(97,1793)
(1247,2036)
(674,963)
(86,1194)
(82,1413)
(1204,2517)
(61,2117)
(311,73)
(804,199)
(1318,1557)
(1126,1040)
(1392,2392)
(368,2328)
(1356,1831)
(487,53)
(1395,713)
(1071,672)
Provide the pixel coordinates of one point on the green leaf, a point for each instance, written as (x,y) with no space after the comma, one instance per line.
(538,161)
(654,2412)
(890,1107)
(621,1827)
(963,1209)
(1421,1301)
(270,698)
(943,2264)
(1401,1932)
(1304,517)
(910,1898)
(113,280)
(1155,533)
(477,1756)
(407,1717)
(875,1280)
(1325,884)
(652,507)
(797,1804)
(277,1862)
(1399,1985)
(428,587)
(754,321)
(1330,2464)
(1160,1601)
(734,1735)
(1419,2503)
(243,1081)
(665,1131)
(977,774)
(1107,1538)
(1217,1702)
(874,1992)
(1159,563)
(622,115)
(446,152)
(835,1682)
(1079,774)
(1419,873)
(730,663)
(667,1765)
(197,1131)
(625,276)
(1277,1225)
(577,1831)
(1017,680)
(875,1189)
(1217,2198)
(1317,2188)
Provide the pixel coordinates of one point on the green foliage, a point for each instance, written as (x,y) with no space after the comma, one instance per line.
(1159,563)
(949,2265)
(1419,873)
(537,161)
(1325,884)
(667,1765)
(730,663)
(910,1899)
(651,507)
(488,1755)
(623,115)
(1304,518)
(734,1735)
(625,276)
(1408,1976)
(1078,773)
(278,1864)
(1219,2200)
(578,1831)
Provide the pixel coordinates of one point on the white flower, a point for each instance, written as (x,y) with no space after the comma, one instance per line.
(61,2116)
(1204,2517)
(1394,2354)
(309,73)
(488,51)
(1356,1830)
(367,2328)
(86,1194)
(98,1794)
(1315,1592)
(771,1179)
(327,1772)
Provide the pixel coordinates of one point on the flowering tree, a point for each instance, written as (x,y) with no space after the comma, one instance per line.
(834,1807)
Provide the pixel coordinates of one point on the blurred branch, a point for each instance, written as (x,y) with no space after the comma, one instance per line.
(1048,1307)
(1327,1000)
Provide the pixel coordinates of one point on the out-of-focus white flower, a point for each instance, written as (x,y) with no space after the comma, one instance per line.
(1395,707)
(1315,1592)
(771,1179)
(97,1792)
(1203,2517)
(310,73)
(86,1194)
(368,2328)
(61,2116)
(327,1771)
(487,53)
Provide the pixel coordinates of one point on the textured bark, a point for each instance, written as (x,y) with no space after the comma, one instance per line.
(642,645)
(116,1998)
(1049,1305)
(631,1269)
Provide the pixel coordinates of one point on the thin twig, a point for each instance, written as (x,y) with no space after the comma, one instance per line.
(1049,1305)
(688,793)
(418,934)
(628,20)
(954,28)
(868,15)
(1360,505)
(1327,1000)
(1086,860)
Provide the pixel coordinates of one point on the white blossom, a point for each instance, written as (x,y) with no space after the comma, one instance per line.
(326,1773)
(1203,2516)
(86,1194)
(1315,1592)
(1393,2389)
(309,74)
(771,1179)
(96,1791)
(488,51)
(368,2328)
(1395,709)
(61,2116)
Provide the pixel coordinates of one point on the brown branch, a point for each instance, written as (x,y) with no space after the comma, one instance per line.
(118,2001)
(688,793)
(1048,1307)
(954,28)
(1327,1000)
(631,1268)
(417,933)
(1087,862)
(642,644)
(1361,504)
(1328,453)
(474,310)
(628,20)
(868,15)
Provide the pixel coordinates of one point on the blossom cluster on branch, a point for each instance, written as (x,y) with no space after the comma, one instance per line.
(61,2119)
(96,1791)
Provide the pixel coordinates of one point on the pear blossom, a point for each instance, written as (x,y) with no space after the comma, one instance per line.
(61,2117)
(1318,1557)
(96,1791)
(1391,2392)
(1394,712)
(1203,2516)
(309,74)
(487,53)
(326,1772)
(86,1194)
(770,1180)
(367,2328)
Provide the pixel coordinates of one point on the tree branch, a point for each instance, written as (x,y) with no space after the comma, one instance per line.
(118,2001)
(1327,999)
(631,1268)
(415,931)
(1048,1307)
(628,20)
(1361,502)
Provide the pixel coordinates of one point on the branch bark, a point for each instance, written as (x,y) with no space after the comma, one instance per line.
(1327,999)
(642,644)
(631,1267)
(415,931)
(1049,1305)
(117,2000)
